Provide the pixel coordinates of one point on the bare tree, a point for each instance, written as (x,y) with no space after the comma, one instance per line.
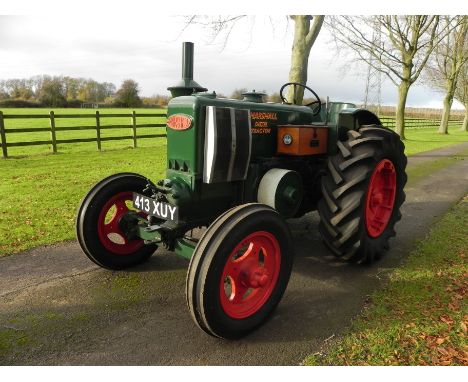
(306,31)
(401,52)
(450,57)
(461,93)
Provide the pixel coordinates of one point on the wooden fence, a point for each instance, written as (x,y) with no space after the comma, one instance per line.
(133,127)
(418,123)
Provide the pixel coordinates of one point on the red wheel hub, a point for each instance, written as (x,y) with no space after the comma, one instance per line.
(110,234)
(250,275)
(380,197)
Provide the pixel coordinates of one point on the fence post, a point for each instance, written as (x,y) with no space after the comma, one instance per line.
(3,136)
(98,130)
(134,129)
(52,132)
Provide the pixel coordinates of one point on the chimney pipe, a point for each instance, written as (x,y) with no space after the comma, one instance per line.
(187,61)
(187,85)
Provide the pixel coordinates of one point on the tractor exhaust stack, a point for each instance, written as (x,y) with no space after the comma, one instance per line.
(187,85)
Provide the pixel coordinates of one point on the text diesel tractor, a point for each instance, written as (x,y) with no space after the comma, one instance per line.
(241,168)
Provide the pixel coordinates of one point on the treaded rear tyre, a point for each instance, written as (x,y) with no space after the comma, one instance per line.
(346,208)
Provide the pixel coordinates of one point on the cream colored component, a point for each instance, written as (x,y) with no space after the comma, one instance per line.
(266,193)
(282,190)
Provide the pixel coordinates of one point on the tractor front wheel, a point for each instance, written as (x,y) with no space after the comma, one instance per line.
(103,217)
(239,271)
(362,194)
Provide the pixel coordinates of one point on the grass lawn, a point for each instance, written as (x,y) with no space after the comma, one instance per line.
(39,195)
(421,317)
(419,140)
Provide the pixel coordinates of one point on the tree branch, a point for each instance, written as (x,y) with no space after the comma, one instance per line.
(314,31)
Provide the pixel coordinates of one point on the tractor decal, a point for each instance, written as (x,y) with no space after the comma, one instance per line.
(179,122)
(261,121)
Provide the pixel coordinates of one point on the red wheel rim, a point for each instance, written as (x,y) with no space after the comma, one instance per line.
(110,234)
(250,275)
(380,197)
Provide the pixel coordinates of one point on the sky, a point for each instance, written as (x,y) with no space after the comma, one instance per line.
(147,49)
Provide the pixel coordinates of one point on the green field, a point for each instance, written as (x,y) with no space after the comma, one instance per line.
(71,122)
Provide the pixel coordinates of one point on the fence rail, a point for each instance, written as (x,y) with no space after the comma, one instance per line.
(417,123)
(133,127)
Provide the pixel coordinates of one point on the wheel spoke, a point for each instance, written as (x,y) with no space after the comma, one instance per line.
(238,292)
(249,257)
(232,270)
(121,206)
(112,226)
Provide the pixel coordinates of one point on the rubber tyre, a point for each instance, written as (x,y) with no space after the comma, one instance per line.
(342,208)
(212,254)
(88,217)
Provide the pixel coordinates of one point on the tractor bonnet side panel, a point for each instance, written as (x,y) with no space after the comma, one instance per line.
(214,154)
(186,149)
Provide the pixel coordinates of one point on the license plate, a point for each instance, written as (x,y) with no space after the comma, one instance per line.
(154,208)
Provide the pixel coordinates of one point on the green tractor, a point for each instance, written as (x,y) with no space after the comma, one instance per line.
(241,168)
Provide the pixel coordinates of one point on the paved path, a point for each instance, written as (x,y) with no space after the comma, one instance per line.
(72,312)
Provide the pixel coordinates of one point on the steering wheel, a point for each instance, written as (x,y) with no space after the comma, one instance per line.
(296,84)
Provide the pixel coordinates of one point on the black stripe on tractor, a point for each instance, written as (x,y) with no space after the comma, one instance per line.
(223,142)
(232,144)
(243,139)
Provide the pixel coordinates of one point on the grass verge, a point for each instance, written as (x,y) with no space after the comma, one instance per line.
(423,170)
(420,318)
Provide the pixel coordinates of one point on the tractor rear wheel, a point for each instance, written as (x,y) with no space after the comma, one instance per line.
(100,222)
(239,271)
(362,194)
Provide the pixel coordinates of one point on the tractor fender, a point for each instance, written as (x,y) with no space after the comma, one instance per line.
(353,119)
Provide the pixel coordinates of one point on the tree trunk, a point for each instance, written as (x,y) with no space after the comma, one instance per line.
(304,38)
(465,120)
(298,70)
(400,110)
(443,128)
(448,100)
